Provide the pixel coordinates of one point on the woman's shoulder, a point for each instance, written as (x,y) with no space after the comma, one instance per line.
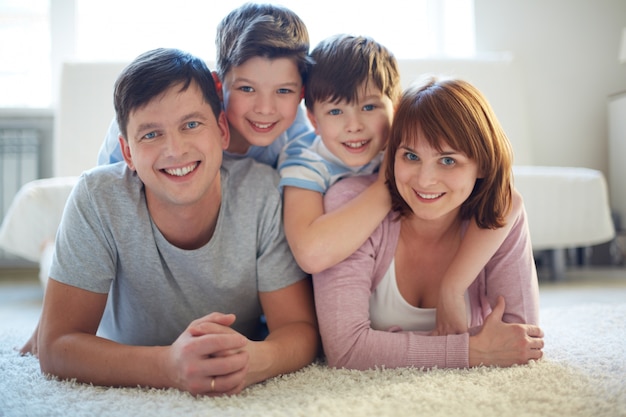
(346,189)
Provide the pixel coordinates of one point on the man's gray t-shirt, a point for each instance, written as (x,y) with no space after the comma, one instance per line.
(107,243)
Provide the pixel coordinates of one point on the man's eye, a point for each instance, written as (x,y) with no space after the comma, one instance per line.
(150,135)
(192,125)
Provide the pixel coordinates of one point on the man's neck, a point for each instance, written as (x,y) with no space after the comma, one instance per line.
(187,226)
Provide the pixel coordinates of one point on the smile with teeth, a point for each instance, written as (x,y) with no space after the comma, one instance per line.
(262,125)
(181,172)
(356,145)
(429,196)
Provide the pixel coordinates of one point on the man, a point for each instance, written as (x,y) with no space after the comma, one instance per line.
(163,264)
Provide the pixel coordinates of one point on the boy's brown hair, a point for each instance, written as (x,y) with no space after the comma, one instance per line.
(343,63)
(261,30)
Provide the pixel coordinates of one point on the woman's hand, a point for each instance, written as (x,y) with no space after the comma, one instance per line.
(505,344)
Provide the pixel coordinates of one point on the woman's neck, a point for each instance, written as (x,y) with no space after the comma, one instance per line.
(431,230)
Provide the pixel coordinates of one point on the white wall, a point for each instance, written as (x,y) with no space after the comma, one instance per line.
(567,50)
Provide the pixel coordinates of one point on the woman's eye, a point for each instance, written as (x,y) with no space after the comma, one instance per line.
(448,161)
(411,156)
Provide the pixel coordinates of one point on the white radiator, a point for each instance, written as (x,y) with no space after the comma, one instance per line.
(19,164)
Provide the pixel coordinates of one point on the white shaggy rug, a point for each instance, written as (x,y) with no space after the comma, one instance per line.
(583,373)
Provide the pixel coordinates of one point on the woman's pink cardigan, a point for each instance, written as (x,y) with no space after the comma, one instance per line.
(342,295)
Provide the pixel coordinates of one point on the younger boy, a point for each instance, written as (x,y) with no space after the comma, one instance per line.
(262,62)
(350,96)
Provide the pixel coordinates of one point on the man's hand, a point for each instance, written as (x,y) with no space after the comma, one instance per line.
(208,358)
(31,345)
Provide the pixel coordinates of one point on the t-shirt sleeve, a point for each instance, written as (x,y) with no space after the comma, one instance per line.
(83,256)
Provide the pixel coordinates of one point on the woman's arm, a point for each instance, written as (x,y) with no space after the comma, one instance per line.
(342,296)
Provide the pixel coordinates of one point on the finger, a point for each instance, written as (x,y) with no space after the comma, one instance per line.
(213,344)
(534,331)
(498,310)
(207,325)
(227,375)
(216,317)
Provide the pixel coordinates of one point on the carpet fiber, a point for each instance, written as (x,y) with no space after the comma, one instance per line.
(583,373)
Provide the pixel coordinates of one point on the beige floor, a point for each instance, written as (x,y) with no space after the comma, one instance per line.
(20,288)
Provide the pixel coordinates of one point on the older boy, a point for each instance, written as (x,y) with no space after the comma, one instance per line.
(262,62)
(164,264)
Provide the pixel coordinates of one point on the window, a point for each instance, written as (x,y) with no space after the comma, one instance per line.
(25,76)
(119,30)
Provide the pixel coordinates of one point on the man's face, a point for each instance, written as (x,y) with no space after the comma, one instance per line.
(261,99)
(175,144)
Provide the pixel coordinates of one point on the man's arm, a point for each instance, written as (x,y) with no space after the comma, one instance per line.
(293,340)
(69,348)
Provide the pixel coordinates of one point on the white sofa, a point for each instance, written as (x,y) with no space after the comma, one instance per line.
(567,207)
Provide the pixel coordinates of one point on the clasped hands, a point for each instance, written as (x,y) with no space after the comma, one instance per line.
(209,357)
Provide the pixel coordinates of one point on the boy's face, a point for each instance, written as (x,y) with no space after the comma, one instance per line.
(355,132)
(175,144)
(261,99)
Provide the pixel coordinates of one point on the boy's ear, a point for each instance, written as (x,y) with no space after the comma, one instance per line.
(218,85)
(312,119)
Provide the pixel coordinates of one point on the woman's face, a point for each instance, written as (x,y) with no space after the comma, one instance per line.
(433,183)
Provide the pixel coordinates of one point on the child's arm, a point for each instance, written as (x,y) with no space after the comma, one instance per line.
(477,247)
(319,240)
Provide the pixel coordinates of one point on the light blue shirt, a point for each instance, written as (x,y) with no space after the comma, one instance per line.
(307,163)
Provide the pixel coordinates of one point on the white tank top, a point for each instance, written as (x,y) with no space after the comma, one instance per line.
(389,311)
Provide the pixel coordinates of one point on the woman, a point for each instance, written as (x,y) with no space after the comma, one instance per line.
(448,161)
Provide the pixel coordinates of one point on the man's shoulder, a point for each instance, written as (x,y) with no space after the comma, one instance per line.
(103,181)
(249,169)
